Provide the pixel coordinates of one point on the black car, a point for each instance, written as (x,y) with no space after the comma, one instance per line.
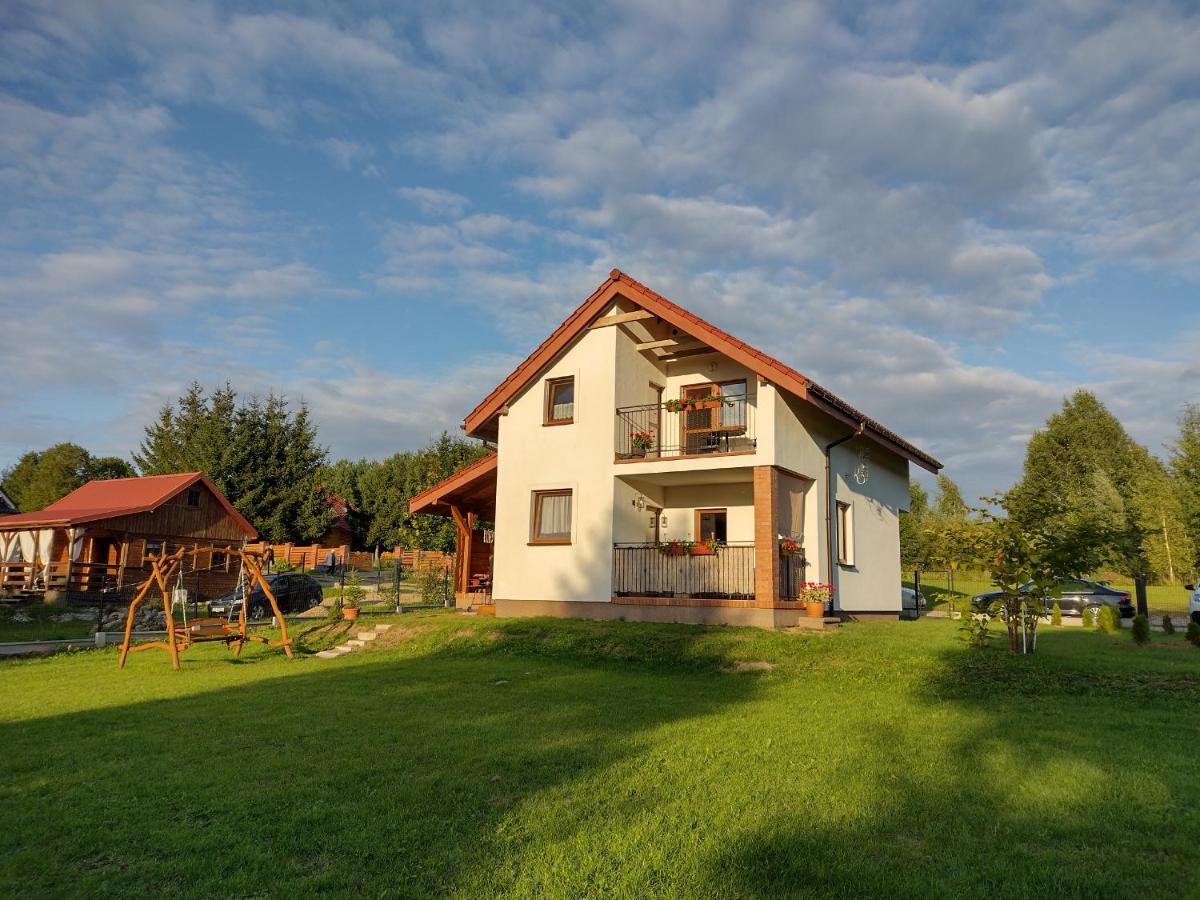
(293,592)
(1076,596)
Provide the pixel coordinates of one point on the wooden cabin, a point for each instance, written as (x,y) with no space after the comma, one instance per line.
(99,538)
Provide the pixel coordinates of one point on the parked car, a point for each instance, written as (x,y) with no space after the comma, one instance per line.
(293,593)
(909,598)
(1076,596)
(1194,603)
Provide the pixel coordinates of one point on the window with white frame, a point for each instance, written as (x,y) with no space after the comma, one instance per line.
(845,533)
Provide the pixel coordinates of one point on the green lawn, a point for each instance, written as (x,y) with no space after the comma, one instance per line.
(40,623)
(482,757)
(1160,598)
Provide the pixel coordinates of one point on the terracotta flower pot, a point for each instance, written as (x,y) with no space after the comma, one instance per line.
(706,404)
(700,550)
(349,613)
(815,609)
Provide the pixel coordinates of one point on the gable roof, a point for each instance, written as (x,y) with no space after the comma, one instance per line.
(111,498)
(481,421)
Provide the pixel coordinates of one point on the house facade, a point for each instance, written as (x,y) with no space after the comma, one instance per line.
(650,466)
(99,539)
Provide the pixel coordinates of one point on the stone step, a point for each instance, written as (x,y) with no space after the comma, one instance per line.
(354,643)
(383,626)
(344,648)
(367,635)
(327,654)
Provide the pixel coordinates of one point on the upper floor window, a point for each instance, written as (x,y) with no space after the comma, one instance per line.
(193,497)
(560,401)
(551,517)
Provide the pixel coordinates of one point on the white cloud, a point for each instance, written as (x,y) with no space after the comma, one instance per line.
(434,201)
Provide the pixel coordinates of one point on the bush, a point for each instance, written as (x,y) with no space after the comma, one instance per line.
(1168,626)
(1109,621)
(975,630)
(1141,630)
(1056,615)
(1086,618)
(353,594)
(432,584)
(1193,633)
(335,610)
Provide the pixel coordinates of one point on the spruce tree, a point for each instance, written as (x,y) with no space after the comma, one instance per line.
(1185,472)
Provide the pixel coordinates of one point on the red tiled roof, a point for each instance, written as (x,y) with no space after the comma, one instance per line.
(482,418)
(110,498)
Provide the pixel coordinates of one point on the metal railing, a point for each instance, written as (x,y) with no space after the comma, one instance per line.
(645,570)
(793,572)
(664,430)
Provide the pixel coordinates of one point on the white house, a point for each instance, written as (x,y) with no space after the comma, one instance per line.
(637,423)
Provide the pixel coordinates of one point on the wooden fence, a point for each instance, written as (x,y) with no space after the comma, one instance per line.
(312,556)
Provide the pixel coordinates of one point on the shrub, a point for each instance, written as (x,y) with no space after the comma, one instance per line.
(353,594)
(1086,618)
(975,630)
(1056,615)
(1168,626)
(282,565)
(1109,621)
(432,585)
(335,610)
(1141,630)
(1193,633)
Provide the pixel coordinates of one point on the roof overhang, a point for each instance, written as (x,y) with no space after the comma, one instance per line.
(482,421)
(471,490)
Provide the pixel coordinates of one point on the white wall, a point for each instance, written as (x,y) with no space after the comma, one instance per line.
(579,456)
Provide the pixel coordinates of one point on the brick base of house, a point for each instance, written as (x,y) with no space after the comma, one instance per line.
(630,610)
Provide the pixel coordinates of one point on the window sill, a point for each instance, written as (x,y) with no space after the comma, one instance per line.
(547,543)
(558,422)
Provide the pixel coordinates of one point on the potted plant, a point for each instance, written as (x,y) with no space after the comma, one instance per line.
(675,405)
(353,595)
(789,547)
(674,547)
(709,402)
(815,597)
(642,442)
(706,547)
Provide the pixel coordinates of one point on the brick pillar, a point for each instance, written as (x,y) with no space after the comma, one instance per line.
(766,538)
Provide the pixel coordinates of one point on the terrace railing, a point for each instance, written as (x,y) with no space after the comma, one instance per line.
(645,570)
(665,430)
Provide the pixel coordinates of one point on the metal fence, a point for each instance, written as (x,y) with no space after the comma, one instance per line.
(646,570)
(661,430)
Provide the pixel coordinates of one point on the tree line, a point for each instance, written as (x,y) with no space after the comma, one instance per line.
(1104,500)
(265,458)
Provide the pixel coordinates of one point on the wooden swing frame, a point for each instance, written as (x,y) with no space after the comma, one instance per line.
(199,631)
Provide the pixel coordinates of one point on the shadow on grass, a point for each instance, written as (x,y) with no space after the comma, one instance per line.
(392,775)
(1059,778)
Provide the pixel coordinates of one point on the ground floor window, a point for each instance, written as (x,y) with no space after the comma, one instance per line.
(551,517)
(711,525)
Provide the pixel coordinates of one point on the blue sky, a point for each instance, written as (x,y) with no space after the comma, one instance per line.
(950,214)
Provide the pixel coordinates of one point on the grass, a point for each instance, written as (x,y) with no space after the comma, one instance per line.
(1160,598)
(42,623)
(482,757)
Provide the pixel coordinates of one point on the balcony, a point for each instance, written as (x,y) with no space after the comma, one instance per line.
(713,426)
(650,571)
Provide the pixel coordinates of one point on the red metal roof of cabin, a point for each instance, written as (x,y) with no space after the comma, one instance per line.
(482,418)
(114,497)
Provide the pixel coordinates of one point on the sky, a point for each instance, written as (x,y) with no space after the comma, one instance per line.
(951,214)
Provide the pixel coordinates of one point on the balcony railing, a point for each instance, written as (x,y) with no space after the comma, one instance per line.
(645,570)
(81,577)
(665,430)
(793,572)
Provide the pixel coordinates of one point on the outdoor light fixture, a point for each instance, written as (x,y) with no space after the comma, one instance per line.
(641,502)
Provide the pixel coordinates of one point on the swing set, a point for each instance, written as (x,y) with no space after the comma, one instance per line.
(183,634)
